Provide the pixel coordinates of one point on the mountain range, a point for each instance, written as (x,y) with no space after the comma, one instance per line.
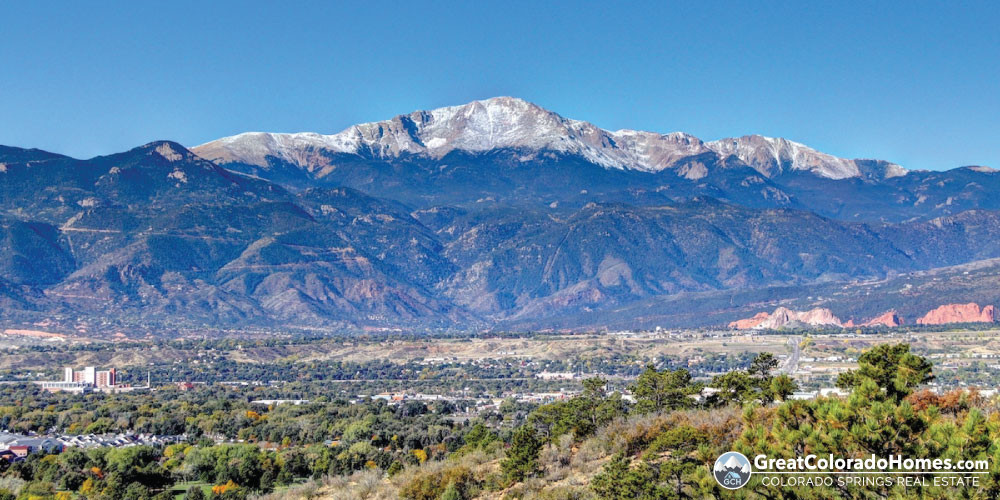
(506,123)
(494,214)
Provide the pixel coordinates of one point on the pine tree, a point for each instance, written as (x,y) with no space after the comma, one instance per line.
(522,456)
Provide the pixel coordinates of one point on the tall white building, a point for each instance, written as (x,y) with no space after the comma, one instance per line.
(84,380)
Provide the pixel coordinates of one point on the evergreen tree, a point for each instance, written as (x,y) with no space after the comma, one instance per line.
(755,384)
(892,367)
(663,390)
(620,481)
(522,456)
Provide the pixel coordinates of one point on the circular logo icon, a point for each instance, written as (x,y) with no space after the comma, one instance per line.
(731,470)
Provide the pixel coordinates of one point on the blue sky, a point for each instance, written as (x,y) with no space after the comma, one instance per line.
(917,83)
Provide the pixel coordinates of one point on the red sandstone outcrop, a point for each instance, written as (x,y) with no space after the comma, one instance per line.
(959,313)
(888,318)
(746,324)
(783,316)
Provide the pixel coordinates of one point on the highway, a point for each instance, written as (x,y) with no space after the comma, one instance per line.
(792,363)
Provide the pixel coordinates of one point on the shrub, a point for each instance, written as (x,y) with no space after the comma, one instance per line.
(432,485)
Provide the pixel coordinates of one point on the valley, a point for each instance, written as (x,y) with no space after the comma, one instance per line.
(814,357)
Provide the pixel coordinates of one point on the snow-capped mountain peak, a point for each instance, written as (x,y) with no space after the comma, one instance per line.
(515,124)
(774,155)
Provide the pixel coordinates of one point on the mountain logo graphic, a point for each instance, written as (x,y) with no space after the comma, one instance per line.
(732,470)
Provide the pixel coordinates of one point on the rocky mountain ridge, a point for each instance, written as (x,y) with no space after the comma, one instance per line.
(511,123)
(508,152)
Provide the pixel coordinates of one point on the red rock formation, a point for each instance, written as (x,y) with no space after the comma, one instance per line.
(746,324)
(888,318)
(783,316)
(989,314)
(959,313)
(817,317)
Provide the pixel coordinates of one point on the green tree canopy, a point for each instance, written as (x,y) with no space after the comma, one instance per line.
(663,390)
(892,367)
(522,456)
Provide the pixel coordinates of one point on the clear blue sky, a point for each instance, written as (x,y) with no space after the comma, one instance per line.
(917,83)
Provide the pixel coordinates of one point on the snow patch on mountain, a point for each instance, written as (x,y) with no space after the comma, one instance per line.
(982,169)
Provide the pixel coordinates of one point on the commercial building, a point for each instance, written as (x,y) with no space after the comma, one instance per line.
(87,380)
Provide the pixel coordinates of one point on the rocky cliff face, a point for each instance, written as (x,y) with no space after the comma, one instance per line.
(784,317)
(889,318)
(959,313)
(748,323)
